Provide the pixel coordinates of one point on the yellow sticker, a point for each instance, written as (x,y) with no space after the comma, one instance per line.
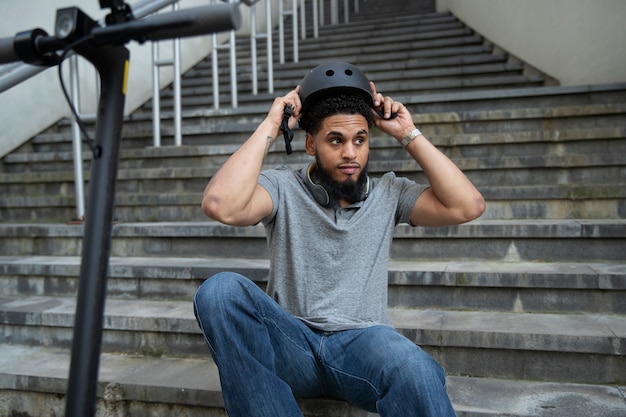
(126,67)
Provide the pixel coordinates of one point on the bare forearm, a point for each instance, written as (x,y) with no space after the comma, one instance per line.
(452,188)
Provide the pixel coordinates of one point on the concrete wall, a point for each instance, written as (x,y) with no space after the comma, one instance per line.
(38,103)
(575,41)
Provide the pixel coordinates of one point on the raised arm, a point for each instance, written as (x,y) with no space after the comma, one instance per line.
(452,198)
(233,195)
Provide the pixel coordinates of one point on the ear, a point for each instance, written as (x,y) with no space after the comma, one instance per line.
(309,144)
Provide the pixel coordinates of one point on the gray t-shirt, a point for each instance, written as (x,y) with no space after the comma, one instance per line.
(329,265)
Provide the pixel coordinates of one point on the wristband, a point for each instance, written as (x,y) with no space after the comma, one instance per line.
(409,138)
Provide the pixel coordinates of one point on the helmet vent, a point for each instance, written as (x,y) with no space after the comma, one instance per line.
(330,73)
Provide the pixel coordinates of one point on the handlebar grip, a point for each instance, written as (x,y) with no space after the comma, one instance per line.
(7,51)
(179,24)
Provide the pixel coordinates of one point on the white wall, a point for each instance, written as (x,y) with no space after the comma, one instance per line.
(575,41)
(38,103)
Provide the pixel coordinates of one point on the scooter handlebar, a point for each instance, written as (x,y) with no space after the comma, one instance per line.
(179,24)
(194,21)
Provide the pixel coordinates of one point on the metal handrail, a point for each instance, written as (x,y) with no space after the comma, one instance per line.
(253,51)
(77,151)
(140,9)
(157,63)
(231,46)
(281,29)
(13,74)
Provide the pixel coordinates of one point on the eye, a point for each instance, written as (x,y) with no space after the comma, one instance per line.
(336,141)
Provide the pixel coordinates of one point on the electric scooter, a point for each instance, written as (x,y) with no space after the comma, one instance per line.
(103,46)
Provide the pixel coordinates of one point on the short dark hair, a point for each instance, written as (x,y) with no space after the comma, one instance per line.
(331,104)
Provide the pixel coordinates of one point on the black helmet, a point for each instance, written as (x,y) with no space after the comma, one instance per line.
(339,76)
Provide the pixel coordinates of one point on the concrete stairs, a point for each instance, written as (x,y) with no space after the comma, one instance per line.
(525,307)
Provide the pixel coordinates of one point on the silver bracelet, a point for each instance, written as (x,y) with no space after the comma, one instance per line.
(409,138)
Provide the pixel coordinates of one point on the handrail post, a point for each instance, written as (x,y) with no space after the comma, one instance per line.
(215,75)
(294,6)
(281,30)
(79,183)
(302,20)
(253,51)
(233,68)
(316,32)
(253,47)
(156,97)
(157,63)
(270,56)
(178,134)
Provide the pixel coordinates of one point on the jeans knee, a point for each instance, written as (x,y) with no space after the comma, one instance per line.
(422,368)
(222,289)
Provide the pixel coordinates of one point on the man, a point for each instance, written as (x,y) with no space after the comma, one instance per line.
(322,328)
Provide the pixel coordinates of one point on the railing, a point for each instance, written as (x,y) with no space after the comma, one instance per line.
(231,46)
(253,43)
(16,73)
(140,9)
(157,63)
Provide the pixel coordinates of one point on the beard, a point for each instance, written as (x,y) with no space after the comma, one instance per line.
(349,190)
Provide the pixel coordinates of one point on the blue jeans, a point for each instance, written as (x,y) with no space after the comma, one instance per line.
(267,358)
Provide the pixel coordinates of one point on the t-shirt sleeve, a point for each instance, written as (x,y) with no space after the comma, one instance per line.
(270,181)
(409,193)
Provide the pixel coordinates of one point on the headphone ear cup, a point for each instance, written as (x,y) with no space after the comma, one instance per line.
(319,193)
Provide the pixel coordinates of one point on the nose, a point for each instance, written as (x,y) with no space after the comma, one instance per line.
(348,151)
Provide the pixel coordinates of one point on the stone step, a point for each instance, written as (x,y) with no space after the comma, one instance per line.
(174,194)
(438,84)
(33,381)
(536,121)
(599,169)
(470,58)
(561,142)
(521,287)
(514,99)
(422,80)
(519,99)
(538,346)
(346,36)
(565,201)
(564,177)
(485,240)
(437,52)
